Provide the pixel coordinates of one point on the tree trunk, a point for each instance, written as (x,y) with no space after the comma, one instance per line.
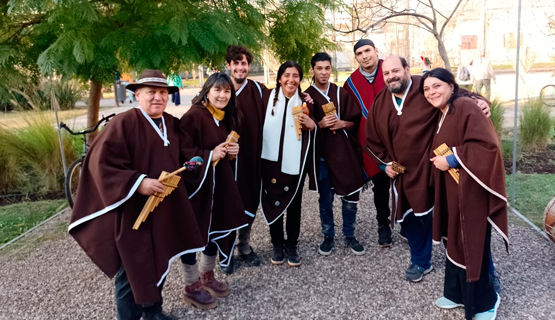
(443,52)
(93,107)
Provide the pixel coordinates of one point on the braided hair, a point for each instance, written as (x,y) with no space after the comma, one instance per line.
(281,71)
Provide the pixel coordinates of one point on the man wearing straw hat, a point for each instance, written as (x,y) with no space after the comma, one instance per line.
(119,173)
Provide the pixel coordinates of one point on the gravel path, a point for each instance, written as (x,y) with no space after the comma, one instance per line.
(57,281)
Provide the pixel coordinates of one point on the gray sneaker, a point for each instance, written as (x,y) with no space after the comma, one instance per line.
(415,273)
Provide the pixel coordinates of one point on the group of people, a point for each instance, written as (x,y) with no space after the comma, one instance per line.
(380,130)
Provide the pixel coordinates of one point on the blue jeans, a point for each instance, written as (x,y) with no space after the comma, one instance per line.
(419,236)
(349,209)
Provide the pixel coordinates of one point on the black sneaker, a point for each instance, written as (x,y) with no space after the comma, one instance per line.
(251,259)
(229,269)
(384,236)
(278,257)
(355,246)
(293,258)
(326,246)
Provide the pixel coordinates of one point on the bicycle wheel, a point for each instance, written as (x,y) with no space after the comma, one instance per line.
(547,95)
(72,180)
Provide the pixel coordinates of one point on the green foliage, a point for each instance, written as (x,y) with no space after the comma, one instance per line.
(298,32)
(68,93)
(507,150)
(497,117)
(36,153)
(31,96)
(535,127)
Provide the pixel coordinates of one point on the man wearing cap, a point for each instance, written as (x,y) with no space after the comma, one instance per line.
(364,84)
(120,171)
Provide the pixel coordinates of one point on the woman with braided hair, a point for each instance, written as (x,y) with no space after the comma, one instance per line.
(286,160)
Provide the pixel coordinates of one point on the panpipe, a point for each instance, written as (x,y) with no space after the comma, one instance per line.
(170,182)
(397,167)
(296,111)
(330,110)
(444,150)
(231,137)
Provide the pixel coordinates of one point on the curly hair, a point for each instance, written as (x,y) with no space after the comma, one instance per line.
(236,53)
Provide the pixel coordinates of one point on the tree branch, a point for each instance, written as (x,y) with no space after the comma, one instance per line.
(448,19)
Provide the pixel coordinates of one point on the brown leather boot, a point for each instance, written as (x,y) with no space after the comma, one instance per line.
(215,287)
(197,296)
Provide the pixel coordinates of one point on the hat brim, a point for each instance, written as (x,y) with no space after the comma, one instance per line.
(134,86)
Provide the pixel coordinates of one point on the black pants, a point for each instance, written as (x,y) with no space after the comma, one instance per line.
(191,258)
(476,296)
(381,187)
(126,307)
(293,223)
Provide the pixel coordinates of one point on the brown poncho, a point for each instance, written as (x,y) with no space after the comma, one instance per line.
(249,101)
(214,193)
(341,150)
(127,150)
(405,139)
(463,210)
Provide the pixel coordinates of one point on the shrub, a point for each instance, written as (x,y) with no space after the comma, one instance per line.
(30,97)
(497,117)
(535,126)
(37,152)
(68,93)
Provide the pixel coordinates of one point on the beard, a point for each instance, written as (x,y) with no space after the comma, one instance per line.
(237,79)
(403,84)
(240,80)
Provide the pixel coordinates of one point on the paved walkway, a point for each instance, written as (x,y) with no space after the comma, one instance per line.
(57,281)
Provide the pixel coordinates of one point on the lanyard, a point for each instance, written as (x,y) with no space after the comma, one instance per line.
(398,107)
(164,135)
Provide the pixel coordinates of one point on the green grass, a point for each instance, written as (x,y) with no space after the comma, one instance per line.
(532,194)
(17,218)
(535,126)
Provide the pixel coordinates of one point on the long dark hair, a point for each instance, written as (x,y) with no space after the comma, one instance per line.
(445,76)
(281,71)
(220,80)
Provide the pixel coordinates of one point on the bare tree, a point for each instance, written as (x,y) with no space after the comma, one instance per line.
(374,14)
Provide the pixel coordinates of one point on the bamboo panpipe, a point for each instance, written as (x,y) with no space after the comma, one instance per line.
(170,182)
(231,137)
(330,110)
(296,111)
(397,167)
(444,150)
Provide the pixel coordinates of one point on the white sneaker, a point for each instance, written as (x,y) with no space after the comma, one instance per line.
(490,314)
(445,303)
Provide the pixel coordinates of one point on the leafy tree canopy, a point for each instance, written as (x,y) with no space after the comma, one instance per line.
(91,39)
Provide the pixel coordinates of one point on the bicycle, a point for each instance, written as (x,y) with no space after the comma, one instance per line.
(74,171)
(547,95)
